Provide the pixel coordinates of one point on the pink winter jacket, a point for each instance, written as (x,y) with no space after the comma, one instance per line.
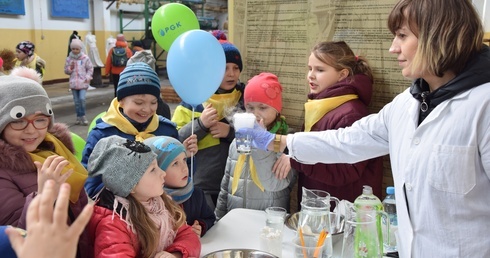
(80,71)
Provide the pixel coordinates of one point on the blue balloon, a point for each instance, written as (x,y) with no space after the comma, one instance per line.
(196,65)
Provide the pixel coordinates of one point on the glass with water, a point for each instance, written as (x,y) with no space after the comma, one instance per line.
(271,234)
(275,217)
(243,141)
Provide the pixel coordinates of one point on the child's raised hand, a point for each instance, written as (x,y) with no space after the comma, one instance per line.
(282,166)
(219,130)
(209,116)
(190,145)
(196,227)
(48,234)
(51,169)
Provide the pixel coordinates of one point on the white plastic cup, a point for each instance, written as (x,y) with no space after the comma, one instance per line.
(243,141)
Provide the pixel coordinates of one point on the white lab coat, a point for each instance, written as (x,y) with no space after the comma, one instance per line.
(441,168)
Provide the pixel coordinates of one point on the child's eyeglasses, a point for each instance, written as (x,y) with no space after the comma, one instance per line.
(41,122)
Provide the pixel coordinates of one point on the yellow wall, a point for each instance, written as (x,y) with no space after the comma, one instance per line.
(52,46)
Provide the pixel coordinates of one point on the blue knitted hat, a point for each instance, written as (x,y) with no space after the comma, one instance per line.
(138,78)
(232,54)
(166,148)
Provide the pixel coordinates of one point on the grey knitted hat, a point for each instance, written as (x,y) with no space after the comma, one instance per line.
(120,162)
(21,97)
(166,148)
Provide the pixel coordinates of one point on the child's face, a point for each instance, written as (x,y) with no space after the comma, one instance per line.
(177,172)
(140,108)
(321,76)
(20,55)
(262,111)
(30,137)
(75,50)
(232,74)
(151,184)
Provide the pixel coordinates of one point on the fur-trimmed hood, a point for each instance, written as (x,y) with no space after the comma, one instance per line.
(17,159)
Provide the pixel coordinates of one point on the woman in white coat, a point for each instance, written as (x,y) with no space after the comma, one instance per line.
(437,132)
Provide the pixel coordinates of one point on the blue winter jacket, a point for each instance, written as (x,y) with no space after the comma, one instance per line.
(101,130)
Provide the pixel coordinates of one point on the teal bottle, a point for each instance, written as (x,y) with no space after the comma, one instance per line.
(367,202)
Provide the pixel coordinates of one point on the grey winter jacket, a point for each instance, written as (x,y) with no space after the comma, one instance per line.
(248,195)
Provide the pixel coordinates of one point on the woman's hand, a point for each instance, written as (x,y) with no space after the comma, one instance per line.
(261,138)
(48,235)
(51,169)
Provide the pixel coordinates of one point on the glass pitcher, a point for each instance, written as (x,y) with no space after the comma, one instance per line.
(362,236)
(313,219)
(325,197)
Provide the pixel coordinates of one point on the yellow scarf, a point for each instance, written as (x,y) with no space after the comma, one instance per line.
(238,173)
(79,175)
(315,109)
(222,103)
(116,118)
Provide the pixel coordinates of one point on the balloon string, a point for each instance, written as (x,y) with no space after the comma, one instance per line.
(192,153)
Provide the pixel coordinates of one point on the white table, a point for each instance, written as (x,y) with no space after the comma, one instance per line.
(240,229)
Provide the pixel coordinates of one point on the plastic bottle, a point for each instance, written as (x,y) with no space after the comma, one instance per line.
(389,205)
(367,201)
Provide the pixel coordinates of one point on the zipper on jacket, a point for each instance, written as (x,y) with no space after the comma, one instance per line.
(424,106)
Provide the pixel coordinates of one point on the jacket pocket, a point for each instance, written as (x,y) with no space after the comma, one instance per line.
(452,168)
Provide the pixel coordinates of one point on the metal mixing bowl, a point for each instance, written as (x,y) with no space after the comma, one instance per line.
(338,231)
(239,253)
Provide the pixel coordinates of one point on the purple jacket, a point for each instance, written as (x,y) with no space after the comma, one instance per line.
(18,182)
(343,181)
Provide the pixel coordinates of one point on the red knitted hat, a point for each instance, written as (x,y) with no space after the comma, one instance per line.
(264,88)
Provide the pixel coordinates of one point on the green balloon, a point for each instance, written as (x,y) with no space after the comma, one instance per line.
(92,124)
(170,21)
(79,144)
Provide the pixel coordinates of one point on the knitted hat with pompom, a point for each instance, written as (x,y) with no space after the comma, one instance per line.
(231,51)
